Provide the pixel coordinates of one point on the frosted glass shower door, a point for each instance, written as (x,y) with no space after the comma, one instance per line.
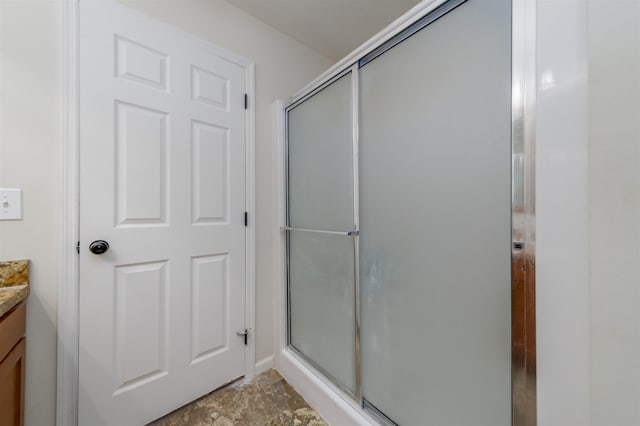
(320,220)
(435,222)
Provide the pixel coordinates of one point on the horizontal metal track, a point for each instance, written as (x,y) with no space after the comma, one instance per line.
(319,231)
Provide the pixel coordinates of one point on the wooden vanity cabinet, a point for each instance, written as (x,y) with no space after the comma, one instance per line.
(12,366)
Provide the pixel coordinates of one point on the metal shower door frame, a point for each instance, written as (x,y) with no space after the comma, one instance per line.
(523,102)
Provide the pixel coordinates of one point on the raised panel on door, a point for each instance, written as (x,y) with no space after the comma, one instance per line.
(209,294)
(141,64)
(210,173)
(141,324)
(141,165)
(12,385)
(209,88)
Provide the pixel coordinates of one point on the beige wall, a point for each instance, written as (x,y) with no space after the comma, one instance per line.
(29,148)
(30,63)
(614,210)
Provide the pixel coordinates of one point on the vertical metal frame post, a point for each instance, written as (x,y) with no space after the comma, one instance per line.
(523,102)
(355,117)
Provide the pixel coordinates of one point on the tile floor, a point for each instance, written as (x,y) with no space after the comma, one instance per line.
(268,400)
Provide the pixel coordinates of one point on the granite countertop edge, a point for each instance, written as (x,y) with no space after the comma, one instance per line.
(14,284)
(10,297)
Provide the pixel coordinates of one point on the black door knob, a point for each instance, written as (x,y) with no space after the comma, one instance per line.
(98,246)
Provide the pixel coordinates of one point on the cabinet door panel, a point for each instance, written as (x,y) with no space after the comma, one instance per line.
(12,386)
(12,328)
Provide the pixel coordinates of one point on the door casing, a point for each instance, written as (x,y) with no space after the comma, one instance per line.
(69,229)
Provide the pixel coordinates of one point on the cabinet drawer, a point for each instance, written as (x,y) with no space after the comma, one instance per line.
(12,328)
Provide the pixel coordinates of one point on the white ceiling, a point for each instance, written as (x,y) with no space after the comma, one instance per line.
(331,27)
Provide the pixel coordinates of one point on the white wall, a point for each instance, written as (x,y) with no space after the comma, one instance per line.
(283,66)
(30,63)
(29,147)
(562,295)
(588,215)
(614,209)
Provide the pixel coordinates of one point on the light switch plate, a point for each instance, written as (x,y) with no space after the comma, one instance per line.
(10,204)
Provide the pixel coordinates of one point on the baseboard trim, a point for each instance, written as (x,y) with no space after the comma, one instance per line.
(330,402)
(264,364)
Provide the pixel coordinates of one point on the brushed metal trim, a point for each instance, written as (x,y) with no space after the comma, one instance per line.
(355,121)
(412,15)
(523,102)
(287,222)
(301,99)
(374,412)
(410,30)
(320,231)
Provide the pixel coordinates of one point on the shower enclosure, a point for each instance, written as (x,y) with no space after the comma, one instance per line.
(405,198)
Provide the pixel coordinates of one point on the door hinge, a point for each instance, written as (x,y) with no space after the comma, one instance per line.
(246,101)
(245,333)
(78,247)
(246,218)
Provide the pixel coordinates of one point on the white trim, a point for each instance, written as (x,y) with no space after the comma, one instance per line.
(355,158)
(328,400)
(279,255)
(264,364)
(68,264)
(250,205)
(68,321)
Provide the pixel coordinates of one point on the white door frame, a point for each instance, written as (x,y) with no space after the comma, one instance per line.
(68,235)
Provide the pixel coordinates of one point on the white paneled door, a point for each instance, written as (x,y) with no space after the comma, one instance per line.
(162,180)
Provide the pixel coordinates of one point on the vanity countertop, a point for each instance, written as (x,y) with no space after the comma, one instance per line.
(14,284)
